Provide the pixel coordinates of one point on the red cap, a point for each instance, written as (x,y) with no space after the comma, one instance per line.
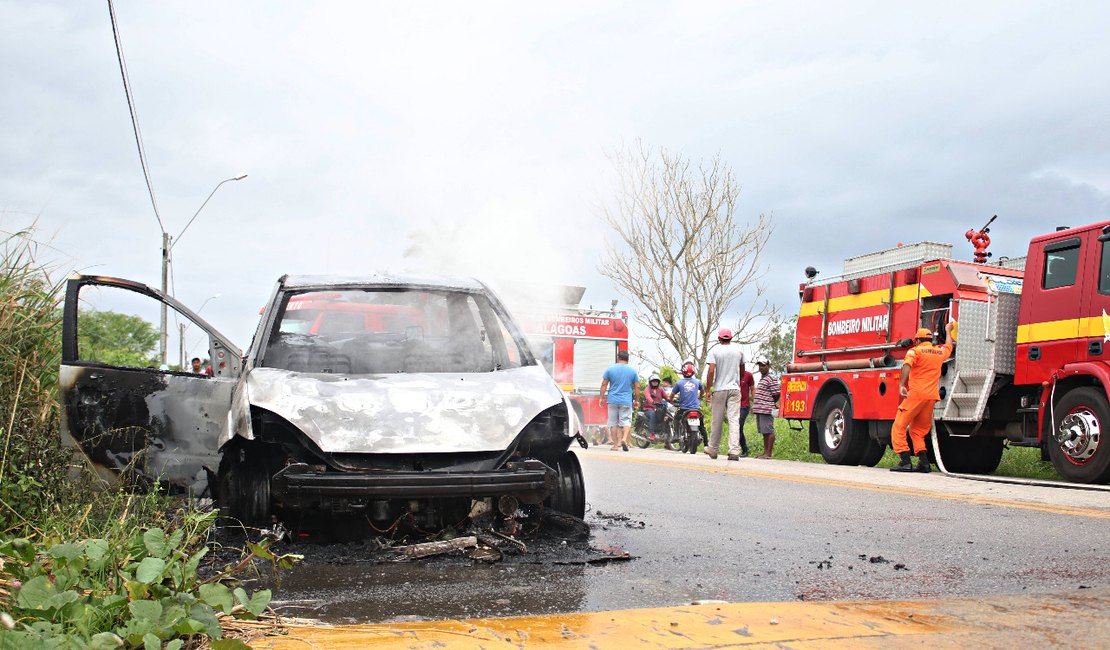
(724,333)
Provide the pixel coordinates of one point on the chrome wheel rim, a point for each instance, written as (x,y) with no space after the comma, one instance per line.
(1079,435)
(834,429)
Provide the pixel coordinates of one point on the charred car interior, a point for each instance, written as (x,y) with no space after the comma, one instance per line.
(384,397)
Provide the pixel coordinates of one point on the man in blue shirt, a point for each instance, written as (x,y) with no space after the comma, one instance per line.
(688,390)
(620,386)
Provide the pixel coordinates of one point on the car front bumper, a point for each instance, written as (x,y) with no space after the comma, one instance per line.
(530,481)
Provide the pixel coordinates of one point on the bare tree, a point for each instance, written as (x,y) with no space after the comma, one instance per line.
(681,257)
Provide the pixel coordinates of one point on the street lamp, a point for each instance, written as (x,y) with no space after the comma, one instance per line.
(185,326)
(167,248)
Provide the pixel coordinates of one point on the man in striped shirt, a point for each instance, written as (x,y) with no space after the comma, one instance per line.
(766,398)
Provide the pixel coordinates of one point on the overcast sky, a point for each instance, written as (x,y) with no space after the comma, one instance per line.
(362,126)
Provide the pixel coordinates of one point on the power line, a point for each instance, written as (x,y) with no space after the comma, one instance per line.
(134,116)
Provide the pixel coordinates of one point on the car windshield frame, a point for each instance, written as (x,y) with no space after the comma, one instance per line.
(389,330)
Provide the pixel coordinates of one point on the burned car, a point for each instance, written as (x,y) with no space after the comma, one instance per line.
(382,396)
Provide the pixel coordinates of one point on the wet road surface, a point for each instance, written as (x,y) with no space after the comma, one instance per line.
(739,532)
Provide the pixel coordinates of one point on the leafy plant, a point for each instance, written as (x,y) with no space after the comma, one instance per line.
(143,591)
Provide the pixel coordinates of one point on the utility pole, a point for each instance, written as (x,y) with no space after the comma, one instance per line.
(182,333)
(167,248)
(165,289)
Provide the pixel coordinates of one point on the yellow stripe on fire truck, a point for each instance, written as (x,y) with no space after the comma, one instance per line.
(869,299)
(1057,330)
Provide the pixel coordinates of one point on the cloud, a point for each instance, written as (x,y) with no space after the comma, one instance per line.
(858,125)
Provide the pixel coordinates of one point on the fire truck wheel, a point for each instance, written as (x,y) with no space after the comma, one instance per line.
(570,493)
(837,437)
(975,455)
(872,454)
(1078,451)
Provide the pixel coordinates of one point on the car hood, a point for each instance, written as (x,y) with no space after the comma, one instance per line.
(406,413)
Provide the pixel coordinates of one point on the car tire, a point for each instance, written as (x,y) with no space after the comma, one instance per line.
(570,493)
(840,441)
(244,492)
(1085,416)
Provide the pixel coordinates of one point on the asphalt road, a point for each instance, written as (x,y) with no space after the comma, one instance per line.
(744,531)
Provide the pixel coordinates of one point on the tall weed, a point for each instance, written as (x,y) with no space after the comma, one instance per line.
(33,467)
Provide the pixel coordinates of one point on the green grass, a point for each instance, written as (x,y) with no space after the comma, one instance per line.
(1026,462)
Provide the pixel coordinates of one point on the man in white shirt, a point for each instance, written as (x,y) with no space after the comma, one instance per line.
(725,367)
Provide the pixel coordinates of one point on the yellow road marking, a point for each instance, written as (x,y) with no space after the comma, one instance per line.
(702,626)
(886,489)
(1015,621)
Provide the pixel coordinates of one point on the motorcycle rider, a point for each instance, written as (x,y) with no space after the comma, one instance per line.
(688,393)
(652,405)
(668,387)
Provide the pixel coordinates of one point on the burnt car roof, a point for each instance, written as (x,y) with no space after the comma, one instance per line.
(381,280)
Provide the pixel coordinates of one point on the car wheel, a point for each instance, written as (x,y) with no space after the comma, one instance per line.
(570,492)
(1078,451)
(840,441)
(244,489)
(974,455)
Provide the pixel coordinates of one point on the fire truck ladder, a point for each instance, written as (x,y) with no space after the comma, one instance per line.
(968,397)
(985,356)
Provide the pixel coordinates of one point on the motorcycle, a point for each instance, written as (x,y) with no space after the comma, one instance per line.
(643,437)
(689,430)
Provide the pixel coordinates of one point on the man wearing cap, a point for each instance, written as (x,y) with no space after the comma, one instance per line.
(766,400)
(726,367)
(620,387)
(919,390)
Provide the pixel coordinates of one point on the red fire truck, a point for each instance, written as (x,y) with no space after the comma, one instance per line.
(576,345)
(1032,366)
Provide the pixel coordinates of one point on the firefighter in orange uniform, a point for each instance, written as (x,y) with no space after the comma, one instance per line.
(919,390)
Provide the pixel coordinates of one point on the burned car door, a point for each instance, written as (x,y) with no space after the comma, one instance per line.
(131,416)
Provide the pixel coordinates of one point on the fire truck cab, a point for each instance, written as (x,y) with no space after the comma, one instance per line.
(1029,369)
